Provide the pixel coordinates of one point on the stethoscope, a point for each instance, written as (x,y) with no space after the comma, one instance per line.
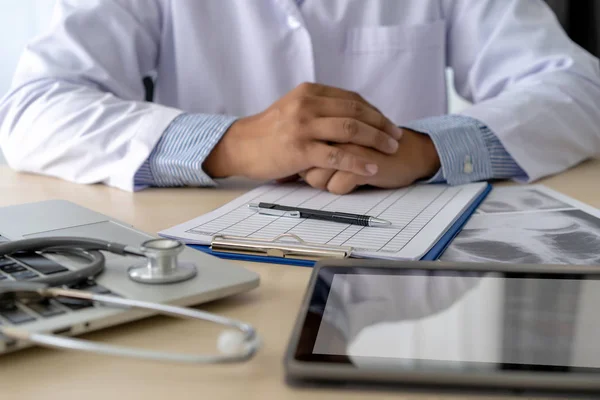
(237,344)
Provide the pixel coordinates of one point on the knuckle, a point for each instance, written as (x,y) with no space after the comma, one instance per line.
(355,108)
(350,127)
(300,106)
(334,158)
(305,102)
(305,87)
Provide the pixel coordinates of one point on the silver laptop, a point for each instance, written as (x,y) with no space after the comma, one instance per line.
(215,279)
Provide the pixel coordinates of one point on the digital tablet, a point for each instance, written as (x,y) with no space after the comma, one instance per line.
(446,325)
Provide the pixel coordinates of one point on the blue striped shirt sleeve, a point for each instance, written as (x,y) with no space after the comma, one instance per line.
(177,158)
(469,151)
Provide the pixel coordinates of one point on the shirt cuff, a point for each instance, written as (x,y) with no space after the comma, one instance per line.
(178,156)
(469,151)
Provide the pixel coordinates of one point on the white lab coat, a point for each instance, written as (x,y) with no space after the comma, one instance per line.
(76,109)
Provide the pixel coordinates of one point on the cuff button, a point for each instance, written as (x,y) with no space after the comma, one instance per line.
(468,165)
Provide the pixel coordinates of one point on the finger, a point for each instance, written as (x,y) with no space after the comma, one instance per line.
(344,182)
(330,157)
(318,177)
(348,130)
(354,103)
(343,108)
(317,89)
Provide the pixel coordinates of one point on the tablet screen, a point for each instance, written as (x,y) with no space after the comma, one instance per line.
(453,320)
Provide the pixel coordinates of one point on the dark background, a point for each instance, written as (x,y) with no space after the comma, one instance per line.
(580,18)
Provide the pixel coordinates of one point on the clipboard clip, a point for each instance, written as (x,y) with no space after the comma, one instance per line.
(277,247)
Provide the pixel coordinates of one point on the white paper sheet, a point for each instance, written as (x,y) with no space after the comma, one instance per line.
(420,215)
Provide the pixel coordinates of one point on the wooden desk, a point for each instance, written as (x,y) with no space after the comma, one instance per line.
(40,373)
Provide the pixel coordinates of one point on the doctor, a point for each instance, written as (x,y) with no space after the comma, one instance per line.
(230,95)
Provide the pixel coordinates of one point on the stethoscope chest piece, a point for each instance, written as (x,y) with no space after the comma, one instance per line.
(162,265)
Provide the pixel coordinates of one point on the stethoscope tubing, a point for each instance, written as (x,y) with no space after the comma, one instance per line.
(250,343)
(90,249)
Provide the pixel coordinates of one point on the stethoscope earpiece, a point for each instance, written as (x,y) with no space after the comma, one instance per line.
(231,342)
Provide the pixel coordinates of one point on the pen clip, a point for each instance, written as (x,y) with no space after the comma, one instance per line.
(277,213)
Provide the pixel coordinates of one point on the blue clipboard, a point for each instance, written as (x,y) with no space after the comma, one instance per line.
(433,254)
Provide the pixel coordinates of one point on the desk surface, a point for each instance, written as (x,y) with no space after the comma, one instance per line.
(38,373)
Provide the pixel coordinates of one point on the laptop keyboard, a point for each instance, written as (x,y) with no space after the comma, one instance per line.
(24,267)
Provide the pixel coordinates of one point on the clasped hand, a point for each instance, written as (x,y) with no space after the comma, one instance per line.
(332,138)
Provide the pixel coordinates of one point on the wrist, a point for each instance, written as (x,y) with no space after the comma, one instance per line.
(429,158)
(225,160)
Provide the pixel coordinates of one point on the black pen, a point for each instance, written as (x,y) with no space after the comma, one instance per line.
(297,212)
